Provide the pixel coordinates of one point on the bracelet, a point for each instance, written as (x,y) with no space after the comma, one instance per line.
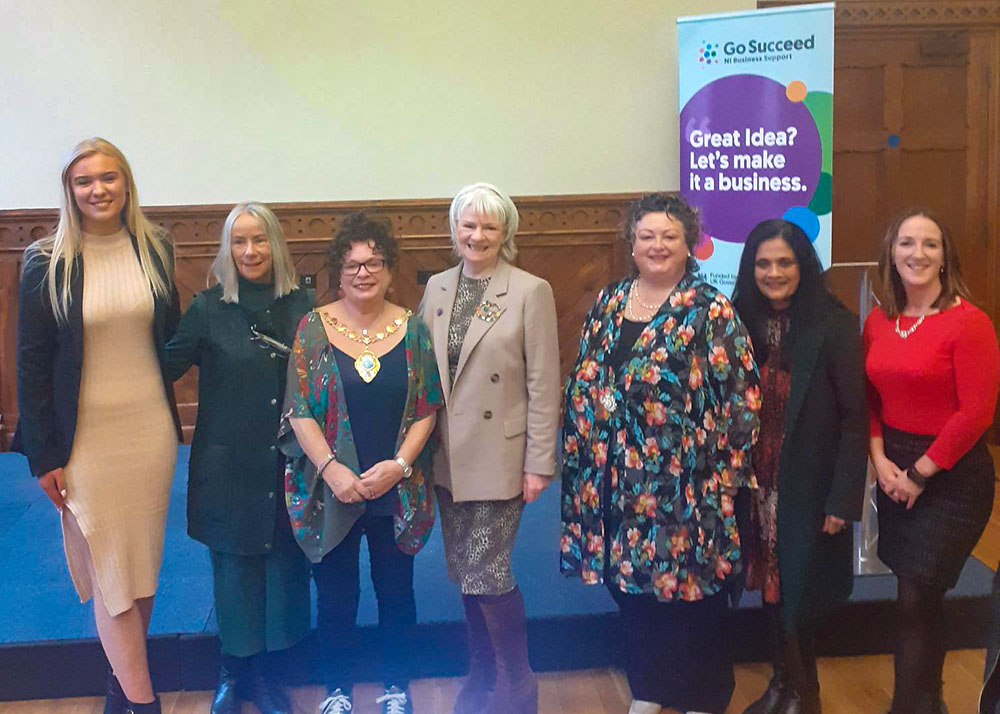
(407,469)
(329,460)
(916,477)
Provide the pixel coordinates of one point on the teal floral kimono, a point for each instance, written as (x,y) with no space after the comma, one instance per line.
(671,430)
(319,521)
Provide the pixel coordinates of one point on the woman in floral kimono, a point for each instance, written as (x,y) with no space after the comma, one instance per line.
(661,413)
(362,399)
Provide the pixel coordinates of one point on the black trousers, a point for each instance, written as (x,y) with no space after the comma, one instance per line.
(678,653)
(338,591)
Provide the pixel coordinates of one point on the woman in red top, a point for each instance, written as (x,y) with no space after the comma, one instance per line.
(933,370)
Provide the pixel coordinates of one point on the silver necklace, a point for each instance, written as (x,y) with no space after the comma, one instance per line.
(909,330)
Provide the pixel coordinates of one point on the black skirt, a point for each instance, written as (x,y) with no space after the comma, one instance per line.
(931,542)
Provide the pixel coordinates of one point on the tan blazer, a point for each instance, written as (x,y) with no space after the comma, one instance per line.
(502,411)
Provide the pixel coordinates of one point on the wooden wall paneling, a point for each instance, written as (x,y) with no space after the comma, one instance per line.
(982,200)
(9,273)
(571,241)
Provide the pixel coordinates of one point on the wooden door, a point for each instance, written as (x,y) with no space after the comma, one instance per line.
(912,115)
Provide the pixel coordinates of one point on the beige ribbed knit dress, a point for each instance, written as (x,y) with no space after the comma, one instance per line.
(122,463)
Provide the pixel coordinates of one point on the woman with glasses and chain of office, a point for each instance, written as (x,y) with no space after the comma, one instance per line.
(239,333)
(362,400)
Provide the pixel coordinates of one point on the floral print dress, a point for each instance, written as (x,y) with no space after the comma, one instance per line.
(672,429)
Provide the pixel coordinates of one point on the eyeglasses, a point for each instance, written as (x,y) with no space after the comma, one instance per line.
(375,265)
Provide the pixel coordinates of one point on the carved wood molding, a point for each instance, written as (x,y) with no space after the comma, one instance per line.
(922,13)
(197,227)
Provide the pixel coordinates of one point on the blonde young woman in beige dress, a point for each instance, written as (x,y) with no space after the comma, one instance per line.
(96,415)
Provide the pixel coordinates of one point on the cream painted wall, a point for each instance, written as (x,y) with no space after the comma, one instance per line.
(216,101)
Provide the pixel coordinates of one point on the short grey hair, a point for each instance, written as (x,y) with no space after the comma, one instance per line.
(283,270)
(485,199)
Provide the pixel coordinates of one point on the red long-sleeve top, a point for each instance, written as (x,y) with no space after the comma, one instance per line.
(942,380)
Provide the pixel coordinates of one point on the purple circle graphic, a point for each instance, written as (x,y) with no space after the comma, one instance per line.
(747,154)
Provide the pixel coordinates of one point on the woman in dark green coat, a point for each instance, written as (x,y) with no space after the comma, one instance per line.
(811,455)
(238,333)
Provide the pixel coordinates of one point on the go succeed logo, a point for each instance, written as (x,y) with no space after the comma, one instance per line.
(752,50)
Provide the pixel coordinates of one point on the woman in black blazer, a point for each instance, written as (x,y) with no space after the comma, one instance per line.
(97,419)
(811,456)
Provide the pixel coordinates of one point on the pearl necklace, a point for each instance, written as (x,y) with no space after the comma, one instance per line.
(632,314)
(633,298)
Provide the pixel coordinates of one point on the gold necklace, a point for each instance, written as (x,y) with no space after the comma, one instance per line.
(367,364)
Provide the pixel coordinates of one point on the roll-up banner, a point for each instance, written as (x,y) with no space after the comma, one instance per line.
(756,127)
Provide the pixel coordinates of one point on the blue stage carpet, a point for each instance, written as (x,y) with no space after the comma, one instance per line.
(38,602)
(42,622)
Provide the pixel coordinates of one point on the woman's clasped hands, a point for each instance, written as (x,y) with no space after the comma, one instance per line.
(894,481)
(348,487)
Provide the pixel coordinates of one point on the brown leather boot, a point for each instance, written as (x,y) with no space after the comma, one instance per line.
(478,686)
(516,690)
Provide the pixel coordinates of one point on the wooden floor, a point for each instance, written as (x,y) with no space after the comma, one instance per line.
(850,685)
(988,549)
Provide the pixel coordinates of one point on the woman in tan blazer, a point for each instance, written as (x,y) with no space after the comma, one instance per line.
(494,332)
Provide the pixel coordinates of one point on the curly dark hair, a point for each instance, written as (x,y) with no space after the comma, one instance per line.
(675,207)
(359,227)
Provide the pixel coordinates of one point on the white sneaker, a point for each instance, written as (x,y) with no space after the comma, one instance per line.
(641,707)
(395,701)
(336,702)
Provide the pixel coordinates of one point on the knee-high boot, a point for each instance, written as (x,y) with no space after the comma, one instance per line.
(478,686)
(516,689)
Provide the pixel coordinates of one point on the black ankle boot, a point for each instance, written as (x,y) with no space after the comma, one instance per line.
(152,707)
(231,671)
(793,703)
(771,700)
(265,691)
(114,699)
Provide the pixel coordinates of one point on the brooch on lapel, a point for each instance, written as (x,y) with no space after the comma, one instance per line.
(487,311)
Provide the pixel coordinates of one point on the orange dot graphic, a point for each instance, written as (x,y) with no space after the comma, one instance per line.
(704,248)
(795,91)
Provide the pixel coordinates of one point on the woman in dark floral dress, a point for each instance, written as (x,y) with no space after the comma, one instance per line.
(661,412)
(810,459)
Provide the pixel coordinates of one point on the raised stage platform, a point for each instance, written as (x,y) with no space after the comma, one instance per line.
(48,645)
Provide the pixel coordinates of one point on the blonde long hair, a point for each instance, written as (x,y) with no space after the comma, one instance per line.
(63,246)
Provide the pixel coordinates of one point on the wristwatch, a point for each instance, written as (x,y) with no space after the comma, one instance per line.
(916,477)
(407,469)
